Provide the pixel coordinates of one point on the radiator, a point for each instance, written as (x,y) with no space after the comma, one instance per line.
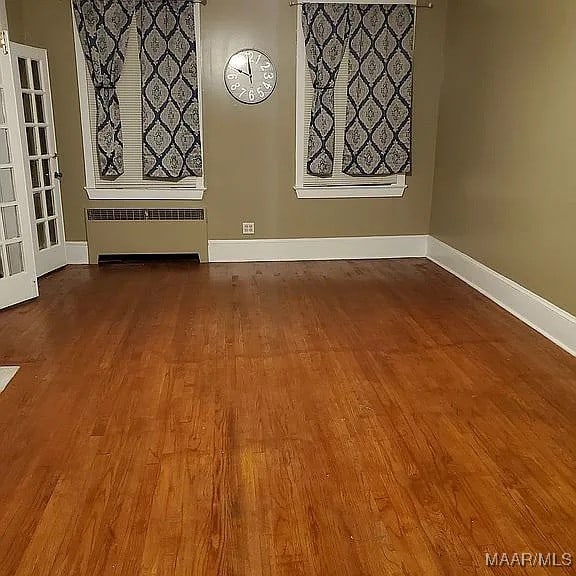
(114,231)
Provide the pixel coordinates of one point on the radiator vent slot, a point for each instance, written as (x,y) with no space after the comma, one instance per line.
(154,214)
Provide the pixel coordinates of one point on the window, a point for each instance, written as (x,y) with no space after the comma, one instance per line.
(340,185)
(131,185)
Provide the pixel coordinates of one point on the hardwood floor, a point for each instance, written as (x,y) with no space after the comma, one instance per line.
(342,418)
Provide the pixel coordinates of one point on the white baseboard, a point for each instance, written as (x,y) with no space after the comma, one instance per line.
(6,374)
(77,252)
(552,322)
(296,249)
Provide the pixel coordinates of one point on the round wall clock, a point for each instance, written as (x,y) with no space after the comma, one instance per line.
(250,76)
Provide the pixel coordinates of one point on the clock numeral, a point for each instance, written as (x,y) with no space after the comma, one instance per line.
(260,92)
(268,76)
(265,67)
(267,86)
(252,96)
(243,91)
(235,86)
(232,76)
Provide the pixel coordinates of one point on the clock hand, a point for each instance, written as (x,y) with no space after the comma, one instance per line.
(250,70)
(241,71)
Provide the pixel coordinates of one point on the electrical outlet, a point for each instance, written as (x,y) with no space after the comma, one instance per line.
(248,228)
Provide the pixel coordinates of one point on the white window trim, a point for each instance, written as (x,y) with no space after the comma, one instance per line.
(129,193)
(329,192)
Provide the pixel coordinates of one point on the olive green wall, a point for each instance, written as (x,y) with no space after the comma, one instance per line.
(13,8)
(505,191)
(249,151)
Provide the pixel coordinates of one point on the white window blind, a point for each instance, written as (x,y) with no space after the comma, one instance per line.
(129,94)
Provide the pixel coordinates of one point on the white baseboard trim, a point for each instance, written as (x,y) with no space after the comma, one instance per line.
(552,322)
(297,249)
(6,374)
(77,252)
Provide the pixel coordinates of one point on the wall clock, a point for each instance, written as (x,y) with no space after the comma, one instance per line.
(250,76)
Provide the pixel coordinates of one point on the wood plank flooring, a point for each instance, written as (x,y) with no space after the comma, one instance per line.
(298,419)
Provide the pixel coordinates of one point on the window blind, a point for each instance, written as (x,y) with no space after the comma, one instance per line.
(129,94)
(340,104)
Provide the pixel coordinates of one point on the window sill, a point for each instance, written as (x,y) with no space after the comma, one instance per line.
(328,192)
(144,194)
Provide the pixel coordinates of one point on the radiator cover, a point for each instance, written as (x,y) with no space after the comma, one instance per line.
(146,231)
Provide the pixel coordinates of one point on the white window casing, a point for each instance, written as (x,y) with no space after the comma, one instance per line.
(340,185)
(131,185)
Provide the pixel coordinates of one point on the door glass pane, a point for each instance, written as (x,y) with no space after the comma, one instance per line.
(24,81)
(28,113)
(46,173)
(53,231)
(50,203)
(2,267)
(2,113)
(36,77)
(7,185)
(41,231)
(15,258)
(35,174)
(32,149)
(38,208)
(43,140)
(40,109)
(10,220)
(4,150)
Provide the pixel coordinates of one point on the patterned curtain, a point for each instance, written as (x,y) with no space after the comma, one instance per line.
(170,109)
(378,138)
(103,26)
(325,29)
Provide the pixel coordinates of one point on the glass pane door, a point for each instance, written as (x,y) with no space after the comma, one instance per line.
(37,126)
(17,271)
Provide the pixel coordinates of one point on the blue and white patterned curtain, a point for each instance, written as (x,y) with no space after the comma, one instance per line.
(104,27)
(170,107)
(378,139)
(325,29)
(378,136)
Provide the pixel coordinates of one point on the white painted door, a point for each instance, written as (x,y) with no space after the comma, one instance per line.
(17,269)
(30,66)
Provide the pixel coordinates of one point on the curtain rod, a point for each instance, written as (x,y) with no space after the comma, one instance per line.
(427,5)
(203,2)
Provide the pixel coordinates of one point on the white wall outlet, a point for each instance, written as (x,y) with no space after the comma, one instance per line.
(248,228)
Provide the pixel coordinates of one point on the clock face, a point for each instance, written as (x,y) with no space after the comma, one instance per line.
(250,76)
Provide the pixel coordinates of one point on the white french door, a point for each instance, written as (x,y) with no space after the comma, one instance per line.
(31,73)
(17,268)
